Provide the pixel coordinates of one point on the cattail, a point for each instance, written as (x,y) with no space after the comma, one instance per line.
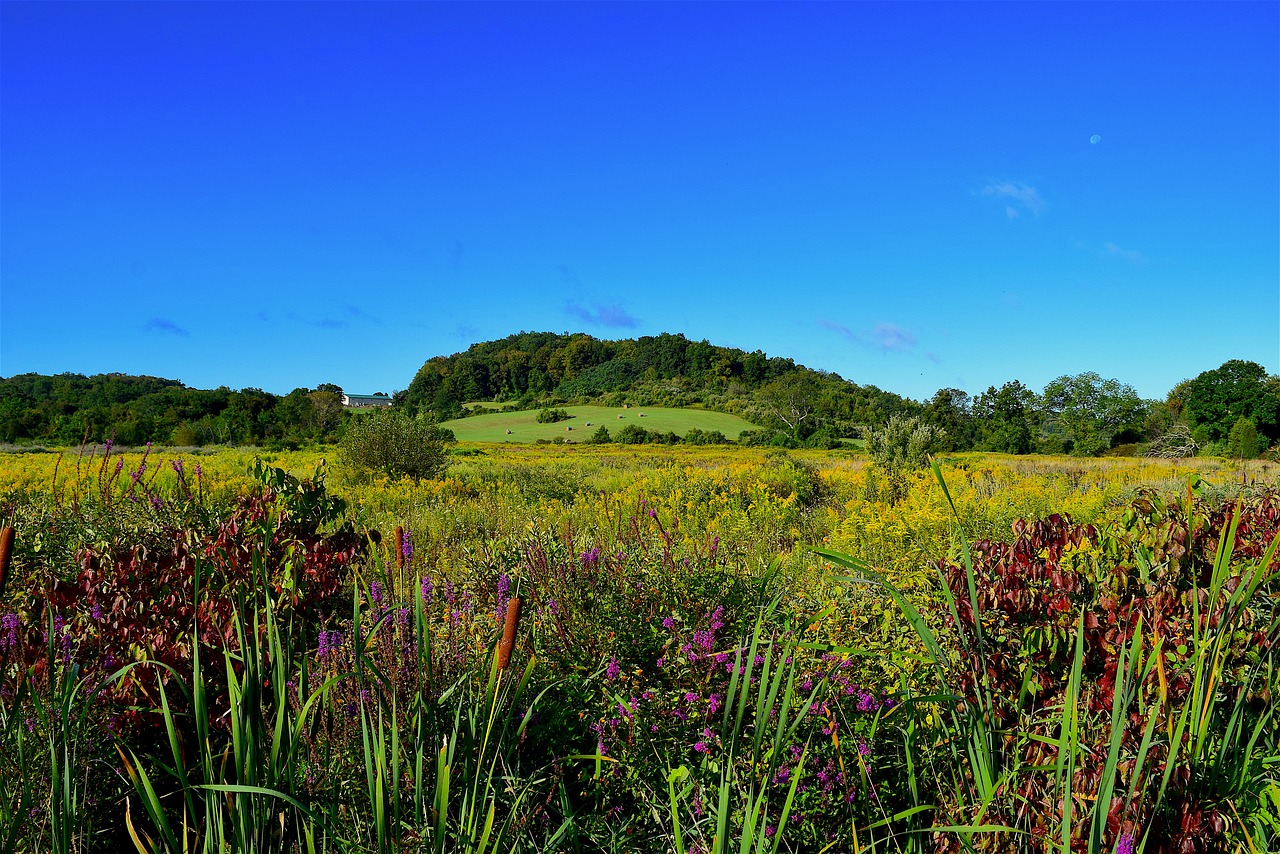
(6,552)
(399,548)
(509,632)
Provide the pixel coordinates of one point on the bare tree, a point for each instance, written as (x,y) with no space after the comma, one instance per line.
(1174,443)
(792,399)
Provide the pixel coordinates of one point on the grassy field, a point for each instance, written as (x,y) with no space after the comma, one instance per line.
(644,575)
(523,426)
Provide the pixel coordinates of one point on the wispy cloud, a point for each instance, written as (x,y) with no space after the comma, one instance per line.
(1133,256)
(357,313)
(886,337)
(332,323)
(1019,198)
(893,338)
(164,326)
(465,332)
(568,276)
(602,315)
(838,328)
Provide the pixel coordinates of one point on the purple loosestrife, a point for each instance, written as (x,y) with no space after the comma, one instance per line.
(406,545)
(9,631)
(1124,845)
(375,592)
(504,588)
(330,642)
(428,590)
(613,670)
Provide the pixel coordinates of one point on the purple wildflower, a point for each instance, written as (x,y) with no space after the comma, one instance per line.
(427,590)
(329,643)
(406,546)
(1124,845)
(504,588)
(613,670)
(9,627)
(375,592)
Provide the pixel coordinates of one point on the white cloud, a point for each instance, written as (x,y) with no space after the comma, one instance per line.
(1133,256)
(1018,198)
(886,337)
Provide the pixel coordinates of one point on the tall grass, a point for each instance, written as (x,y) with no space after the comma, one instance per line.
(1218,744)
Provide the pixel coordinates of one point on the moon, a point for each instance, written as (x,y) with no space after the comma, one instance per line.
(1095,139)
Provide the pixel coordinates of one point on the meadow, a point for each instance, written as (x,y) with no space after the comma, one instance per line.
(523,426)
(642,648)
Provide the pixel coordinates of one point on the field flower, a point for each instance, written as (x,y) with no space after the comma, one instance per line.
(406,546)
(330,642)
(9,631)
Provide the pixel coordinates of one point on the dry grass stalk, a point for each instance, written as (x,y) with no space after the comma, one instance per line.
(6,553)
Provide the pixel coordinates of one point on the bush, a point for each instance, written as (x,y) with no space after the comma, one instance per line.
(396,445)
(551,416)
(601,436)
(697,436)
(903,444)
(633,434)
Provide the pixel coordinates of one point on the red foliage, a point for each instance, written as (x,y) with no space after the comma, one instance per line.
(1031,595)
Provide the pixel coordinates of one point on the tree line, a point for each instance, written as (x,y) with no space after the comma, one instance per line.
(67,409)
(1231,410)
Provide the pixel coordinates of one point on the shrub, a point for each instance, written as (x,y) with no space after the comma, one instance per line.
(633,434)
(396,445)
(551,416)
(696,436)
(601,436)
(903,444)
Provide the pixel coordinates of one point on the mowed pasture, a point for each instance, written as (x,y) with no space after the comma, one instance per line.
(586,420)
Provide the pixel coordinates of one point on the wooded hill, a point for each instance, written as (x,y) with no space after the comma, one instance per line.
(540,368)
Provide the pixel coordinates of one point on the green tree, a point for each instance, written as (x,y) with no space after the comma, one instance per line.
(1213,402)
(391,442)
(1244,441)
(1089,412)
(1006,418)
(951,412)
(601,436)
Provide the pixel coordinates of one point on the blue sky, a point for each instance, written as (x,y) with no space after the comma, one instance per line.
(912,195)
